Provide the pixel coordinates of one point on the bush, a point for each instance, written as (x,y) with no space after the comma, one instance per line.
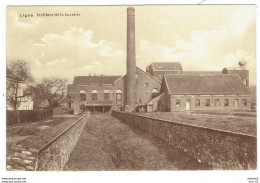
(16,117)
(71,111)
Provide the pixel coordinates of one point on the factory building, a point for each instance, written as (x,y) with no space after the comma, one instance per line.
(164,86)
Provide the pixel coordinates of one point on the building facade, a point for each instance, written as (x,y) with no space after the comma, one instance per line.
(106,93)
(204,92)
(163,87)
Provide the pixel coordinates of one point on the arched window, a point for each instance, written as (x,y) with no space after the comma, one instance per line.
(178,103)
(106,94)
(94,94)
(155,92)
(82,95)
(118,95)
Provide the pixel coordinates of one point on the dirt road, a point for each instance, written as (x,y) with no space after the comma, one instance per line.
(108,144)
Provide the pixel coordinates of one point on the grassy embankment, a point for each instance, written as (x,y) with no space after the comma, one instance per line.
(37,135)
(223,122)
(108,144)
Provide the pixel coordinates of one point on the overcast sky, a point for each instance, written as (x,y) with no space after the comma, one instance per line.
(201,37)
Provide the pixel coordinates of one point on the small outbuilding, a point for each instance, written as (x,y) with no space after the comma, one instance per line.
(192,92)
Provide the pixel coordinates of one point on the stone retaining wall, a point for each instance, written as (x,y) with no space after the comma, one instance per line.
(220,149)
(56,153)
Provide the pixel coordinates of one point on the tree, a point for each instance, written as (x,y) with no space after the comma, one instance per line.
(52,90)
(18,76)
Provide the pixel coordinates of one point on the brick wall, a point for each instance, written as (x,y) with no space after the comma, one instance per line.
(220,149)
(74,91)
(144,86)
(212,106)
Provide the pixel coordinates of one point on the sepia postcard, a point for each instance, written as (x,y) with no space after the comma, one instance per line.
(130,88)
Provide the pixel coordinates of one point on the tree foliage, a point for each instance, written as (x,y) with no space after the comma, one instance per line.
(18,76)
(52,90)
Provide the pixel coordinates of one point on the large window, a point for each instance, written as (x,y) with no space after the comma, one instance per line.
(118,95)
(94,94)
(154,92)
(178,103)
(82,95)
(244,101)
(198,102)
(207,102)
(226,102)
(217,102)
(106,94)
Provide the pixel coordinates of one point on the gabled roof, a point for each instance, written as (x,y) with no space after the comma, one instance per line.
(86,80)
(194,84)
(202,72)
(166,66)
(149,75)
(144,73)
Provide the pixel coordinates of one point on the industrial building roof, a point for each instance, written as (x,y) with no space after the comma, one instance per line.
(202,72)
(166,66)
(86,80)
(205,84)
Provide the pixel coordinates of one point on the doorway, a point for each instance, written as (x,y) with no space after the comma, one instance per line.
(188,105)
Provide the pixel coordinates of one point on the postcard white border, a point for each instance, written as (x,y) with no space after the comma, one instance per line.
(131,176)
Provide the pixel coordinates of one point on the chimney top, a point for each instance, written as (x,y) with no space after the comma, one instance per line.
(131,9)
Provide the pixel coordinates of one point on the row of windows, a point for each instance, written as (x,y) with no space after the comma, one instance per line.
(216,102)
(94,95)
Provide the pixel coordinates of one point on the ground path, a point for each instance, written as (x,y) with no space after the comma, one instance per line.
(108,144)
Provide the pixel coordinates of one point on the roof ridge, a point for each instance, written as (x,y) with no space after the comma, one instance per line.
(205,84)
(149,75)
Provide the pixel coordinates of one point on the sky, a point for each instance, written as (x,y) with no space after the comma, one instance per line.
(201,37)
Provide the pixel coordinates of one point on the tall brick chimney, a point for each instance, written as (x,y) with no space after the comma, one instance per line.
(131,62)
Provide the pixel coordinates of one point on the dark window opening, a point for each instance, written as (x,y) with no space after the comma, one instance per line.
(106,94)
(244,101)
(207,102)
(178,103)
(82,94)
(82,97)
(94,95)
(226,102)
(155,92)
